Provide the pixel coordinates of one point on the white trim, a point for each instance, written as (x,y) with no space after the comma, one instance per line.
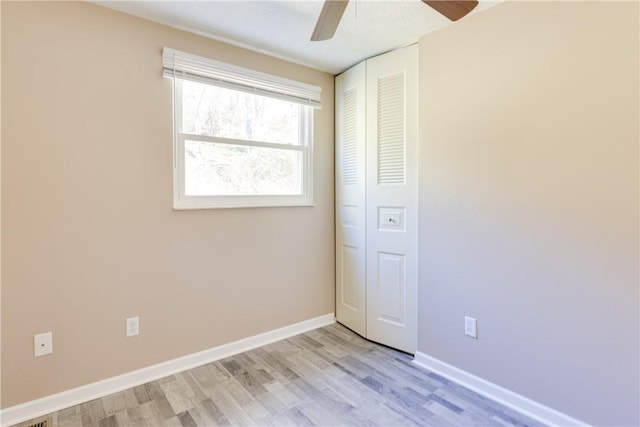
(241,142)
(65,399)
(497,393)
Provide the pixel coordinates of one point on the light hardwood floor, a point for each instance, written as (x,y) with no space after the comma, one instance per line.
(329,376)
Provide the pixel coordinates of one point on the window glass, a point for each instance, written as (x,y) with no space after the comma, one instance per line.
(228,113)
(213,169)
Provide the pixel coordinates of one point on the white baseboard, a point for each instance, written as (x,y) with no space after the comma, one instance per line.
(508,398)
(65,399)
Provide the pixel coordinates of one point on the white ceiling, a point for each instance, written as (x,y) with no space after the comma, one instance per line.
(282,28)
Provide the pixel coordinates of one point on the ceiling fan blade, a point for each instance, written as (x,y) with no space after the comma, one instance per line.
(452,9)
(332,12)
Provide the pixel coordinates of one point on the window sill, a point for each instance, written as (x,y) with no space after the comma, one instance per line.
(240,203)
(191,208)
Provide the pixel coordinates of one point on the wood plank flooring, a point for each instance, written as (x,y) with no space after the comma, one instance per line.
(327,377)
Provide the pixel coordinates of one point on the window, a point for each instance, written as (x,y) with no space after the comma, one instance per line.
(242,138)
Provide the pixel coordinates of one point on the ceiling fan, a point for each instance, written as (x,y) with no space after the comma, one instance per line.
(332,12)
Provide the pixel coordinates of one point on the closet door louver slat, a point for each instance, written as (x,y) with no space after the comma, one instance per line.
(391,125)
(350,141)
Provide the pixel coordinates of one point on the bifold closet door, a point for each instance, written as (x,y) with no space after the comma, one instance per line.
(350,199)
(392,198)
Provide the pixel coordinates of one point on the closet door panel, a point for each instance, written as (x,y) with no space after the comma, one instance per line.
(391,202)
(350,199)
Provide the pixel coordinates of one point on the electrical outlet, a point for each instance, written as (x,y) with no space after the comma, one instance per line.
(133,326)
(42,344)
(470,327)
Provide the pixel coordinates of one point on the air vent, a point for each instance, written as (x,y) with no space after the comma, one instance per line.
(46,422)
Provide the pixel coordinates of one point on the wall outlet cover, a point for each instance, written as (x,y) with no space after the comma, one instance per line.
(133,326)
(470,327)
(42,344)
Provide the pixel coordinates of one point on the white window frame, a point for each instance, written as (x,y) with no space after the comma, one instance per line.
(182,201)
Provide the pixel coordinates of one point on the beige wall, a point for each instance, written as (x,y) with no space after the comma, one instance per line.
(89,235)
(529,202)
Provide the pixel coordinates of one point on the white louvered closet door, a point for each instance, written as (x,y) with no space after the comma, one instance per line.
(392,198)
(350,199)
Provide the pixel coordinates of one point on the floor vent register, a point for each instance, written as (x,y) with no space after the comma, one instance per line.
(42,423)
